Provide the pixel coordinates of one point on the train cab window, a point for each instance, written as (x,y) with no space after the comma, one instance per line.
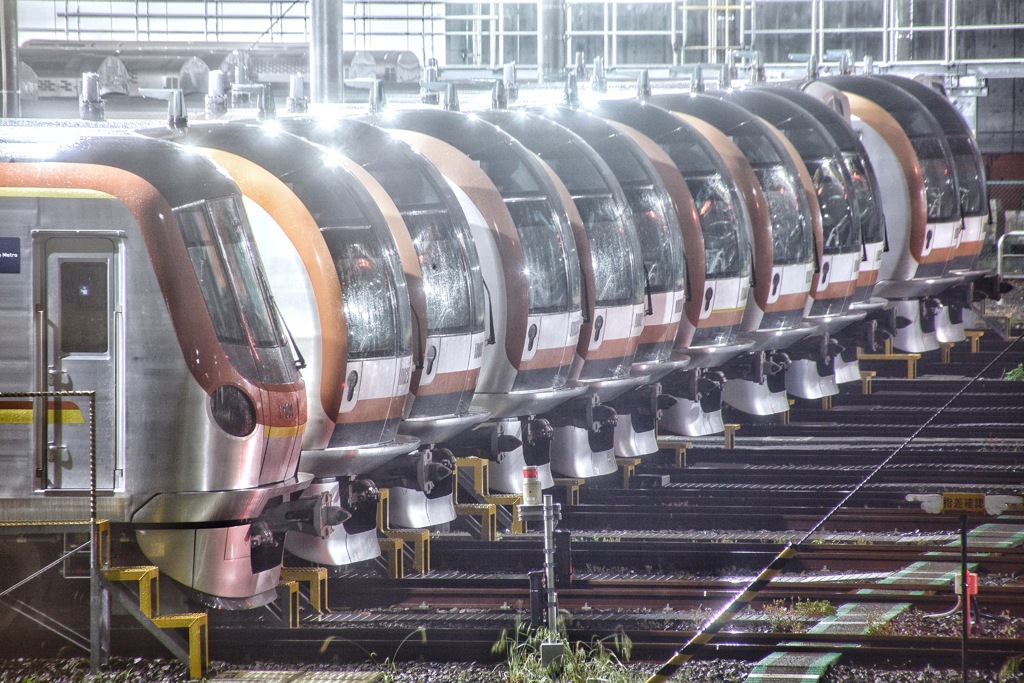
(445,284)
(790,229)
(213,277)
(719,224)
(240,254)
(939,183)
(374,289)
(612,247)
(546,250)
(221,249)
(659,242)
(868,209)
(840,232)
(84,323)
(663,259)
(969,176)
(725,241)
(548,244)
(442,240)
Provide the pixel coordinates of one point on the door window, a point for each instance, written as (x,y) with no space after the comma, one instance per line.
(83,307)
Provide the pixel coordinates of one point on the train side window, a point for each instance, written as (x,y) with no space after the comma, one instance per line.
(84,321)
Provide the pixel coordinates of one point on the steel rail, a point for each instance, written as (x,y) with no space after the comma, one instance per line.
(726,613)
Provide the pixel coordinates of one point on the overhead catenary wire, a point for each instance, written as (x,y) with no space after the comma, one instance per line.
(713,625)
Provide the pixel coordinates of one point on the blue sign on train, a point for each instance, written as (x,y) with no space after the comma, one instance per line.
(10,254)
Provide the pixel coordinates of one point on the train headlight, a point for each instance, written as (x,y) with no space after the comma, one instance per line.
(233,411)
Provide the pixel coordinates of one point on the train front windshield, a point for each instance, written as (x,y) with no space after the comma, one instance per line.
(926,136)
(612,248)
(789,224)
(443,256)
(822,159)
(718,205)
(662,254)
(452,282)
(545,250)
(791,241)
(966,158)
(659,237)
(939,181)
(375,297)
(872,225)
(221,249)
(970,176)
(839,229)
(719,219)
(609,223)
(548,244)
(864,184)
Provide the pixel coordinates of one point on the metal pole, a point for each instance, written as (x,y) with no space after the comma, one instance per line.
(549,561)
(10,83)
(326,63)
(550,33)
(95,589)
(965,600)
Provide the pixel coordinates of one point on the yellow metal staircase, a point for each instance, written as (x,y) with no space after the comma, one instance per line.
(147,579)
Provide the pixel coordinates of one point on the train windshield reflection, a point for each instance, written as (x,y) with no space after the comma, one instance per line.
(723,249)
(441,252)
(939,184)
(661,252)
(789,225)
(969,176)
(546,251)
(220,247)
(717,203)
(839,231)
(612,248)
(871,221)
(375,291)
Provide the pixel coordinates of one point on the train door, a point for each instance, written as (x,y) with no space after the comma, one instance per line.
(78,312)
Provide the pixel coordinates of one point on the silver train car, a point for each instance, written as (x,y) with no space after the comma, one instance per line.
(909,149)
(583,443)
(518,380)
(147,290)
(719,264)
(867,194)
(338,261)
(878,323)
(532,377)
(967,164)
(811,374)
(787,244)
(450,333)
(660,232)
(970,180)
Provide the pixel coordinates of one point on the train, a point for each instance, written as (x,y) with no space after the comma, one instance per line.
(282,318)
(148,291)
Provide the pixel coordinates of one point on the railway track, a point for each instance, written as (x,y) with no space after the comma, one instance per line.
(652,554)
(644,558)
(471,636)
(655,562)
(666,596)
